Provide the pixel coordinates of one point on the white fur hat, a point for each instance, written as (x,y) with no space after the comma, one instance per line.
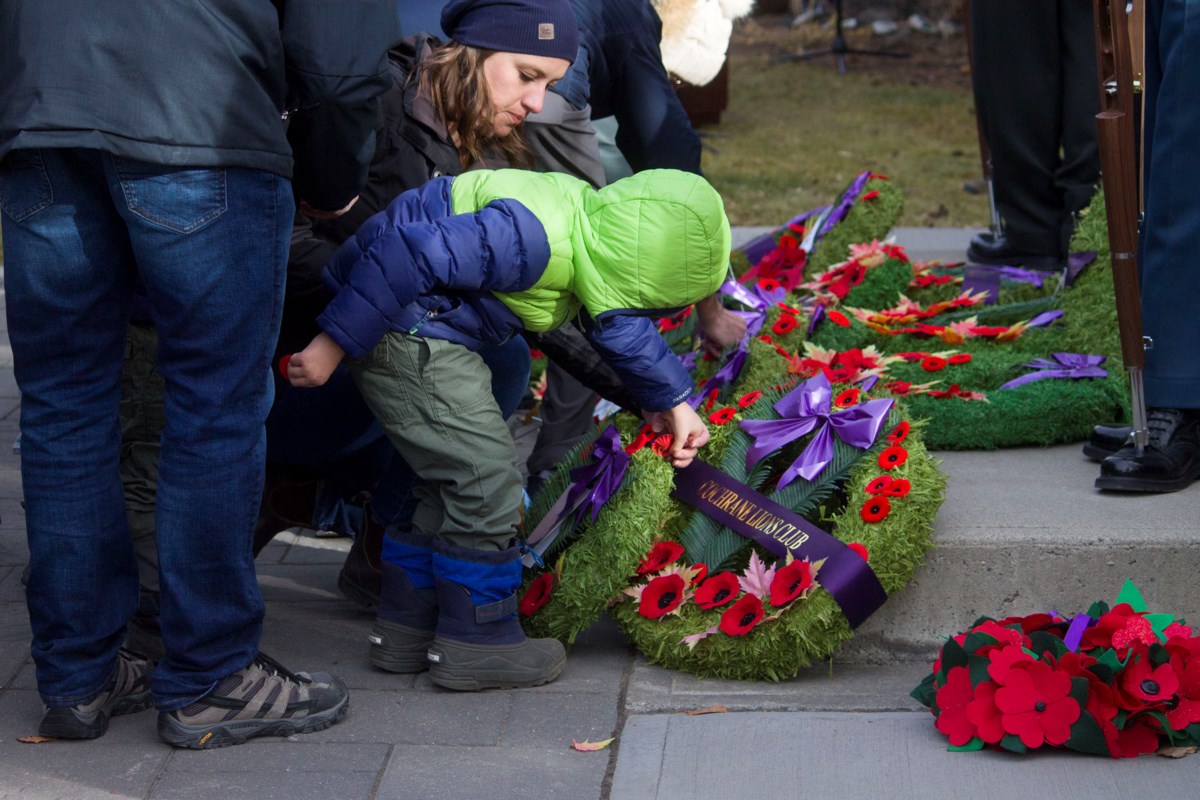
(696,35)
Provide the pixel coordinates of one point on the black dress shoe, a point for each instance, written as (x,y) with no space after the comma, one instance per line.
(987,249)
(1106,439)
(1170,461)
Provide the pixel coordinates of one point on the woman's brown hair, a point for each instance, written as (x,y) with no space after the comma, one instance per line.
(452,75)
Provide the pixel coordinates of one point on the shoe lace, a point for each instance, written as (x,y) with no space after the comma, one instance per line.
(1159,425)
(272,666)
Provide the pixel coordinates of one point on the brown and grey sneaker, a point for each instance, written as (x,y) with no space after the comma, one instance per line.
(263,699)
(127,693)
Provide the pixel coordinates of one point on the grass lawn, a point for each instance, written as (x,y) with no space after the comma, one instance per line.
(794,134)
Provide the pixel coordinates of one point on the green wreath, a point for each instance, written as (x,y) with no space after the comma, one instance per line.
(618,539)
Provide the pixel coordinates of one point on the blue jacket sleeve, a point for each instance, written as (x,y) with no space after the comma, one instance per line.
(634,349)
(392,262)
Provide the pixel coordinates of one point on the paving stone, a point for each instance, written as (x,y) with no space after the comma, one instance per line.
(272,767)
(821,687)
(423,715)
(555,719)
(495,773)
(896,755)
(123,763)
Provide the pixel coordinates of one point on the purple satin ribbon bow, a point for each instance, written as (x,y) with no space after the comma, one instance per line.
(1064,365)
(598,480)
(806,408)
(757,298)
(727,374)
(846,203)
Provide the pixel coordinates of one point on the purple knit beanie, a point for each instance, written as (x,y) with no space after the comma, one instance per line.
(532,27)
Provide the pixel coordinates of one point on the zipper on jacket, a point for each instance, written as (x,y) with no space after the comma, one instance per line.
(428,316)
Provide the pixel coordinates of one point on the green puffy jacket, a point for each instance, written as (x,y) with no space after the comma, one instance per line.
(656,241)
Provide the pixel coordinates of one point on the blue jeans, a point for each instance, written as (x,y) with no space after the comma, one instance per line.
(211,246)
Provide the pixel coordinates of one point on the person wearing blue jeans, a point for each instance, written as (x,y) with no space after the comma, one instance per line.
(165,158)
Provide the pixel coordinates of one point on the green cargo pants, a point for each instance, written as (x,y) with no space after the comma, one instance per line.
(433,399)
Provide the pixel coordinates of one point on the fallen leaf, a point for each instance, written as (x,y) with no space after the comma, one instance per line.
(1176,752)
(585,746)
(35,739)
(715,709)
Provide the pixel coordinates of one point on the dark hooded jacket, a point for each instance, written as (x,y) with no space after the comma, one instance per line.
(202,84)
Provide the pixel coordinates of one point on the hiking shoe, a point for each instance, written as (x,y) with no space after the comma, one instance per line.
(127,693)
(263,699)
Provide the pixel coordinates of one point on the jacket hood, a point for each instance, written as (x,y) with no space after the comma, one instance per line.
(658,239)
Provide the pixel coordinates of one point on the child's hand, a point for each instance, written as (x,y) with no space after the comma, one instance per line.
(313,365)
(688,432)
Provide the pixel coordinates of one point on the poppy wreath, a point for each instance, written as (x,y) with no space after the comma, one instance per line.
(1039,366)
(1116,681)
(695,596)
(719,605)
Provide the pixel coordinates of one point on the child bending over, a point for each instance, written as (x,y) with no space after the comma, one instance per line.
(477,258)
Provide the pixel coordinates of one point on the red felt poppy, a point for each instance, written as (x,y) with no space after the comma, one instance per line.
(660,555)
(892,457)
(769,284)
(1036,705)
(870,195)
(933,363)
(667,324)
(915,355)
(712,398)
(899,433)
(1148,684)
(662,445)
(537,595)
(639,441)
(717,590)
(1119,618)
(850,397)
(878,485)
(879,177)
(790,582)
(283,365)
(741,617)
(952,700)
(838,318)
(795,312)
(1135,739)
(983,714)
(722,416)
(876,509)
(534,353)
(662,596)
(701,573)
(898,488)
(785,324)
(960,358)
(861,549)
(782,352)
(766,338)
(749,399)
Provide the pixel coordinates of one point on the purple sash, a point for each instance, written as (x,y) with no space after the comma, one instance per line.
(845,575)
